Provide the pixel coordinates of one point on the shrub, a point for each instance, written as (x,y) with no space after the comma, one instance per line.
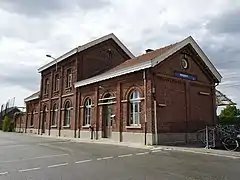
(7,125)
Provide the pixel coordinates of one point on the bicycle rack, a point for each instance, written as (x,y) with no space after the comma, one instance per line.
(210,137)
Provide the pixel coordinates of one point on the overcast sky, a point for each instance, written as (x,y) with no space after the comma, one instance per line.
(30,29)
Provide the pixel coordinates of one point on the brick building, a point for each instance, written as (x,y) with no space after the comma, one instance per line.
(162,96)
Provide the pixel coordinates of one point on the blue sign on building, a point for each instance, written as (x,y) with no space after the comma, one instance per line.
(185,76)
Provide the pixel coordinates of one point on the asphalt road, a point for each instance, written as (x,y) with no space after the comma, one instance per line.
(25,157)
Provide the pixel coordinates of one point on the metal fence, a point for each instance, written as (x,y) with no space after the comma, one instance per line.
(225,135)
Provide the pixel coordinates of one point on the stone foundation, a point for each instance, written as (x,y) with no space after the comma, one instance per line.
(54,132)
(177,138)
(67,133)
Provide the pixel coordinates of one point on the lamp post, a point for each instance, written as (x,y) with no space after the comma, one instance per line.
(49,56)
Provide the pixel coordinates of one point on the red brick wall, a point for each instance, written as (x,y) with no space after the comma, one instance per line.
(32,112)
(90,62)
(186,109)
(97,60)
(120,87)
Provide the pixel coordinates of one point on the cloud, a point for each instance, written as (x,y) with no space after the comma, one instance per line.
(226,23)
(26,77)
(31,29)
(46,7)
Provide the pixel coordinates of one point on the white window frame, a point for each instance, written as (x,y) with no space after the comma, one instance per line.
(46,86)
(55,116)
(135,108)
(87,112)
(57,82)
(67,115)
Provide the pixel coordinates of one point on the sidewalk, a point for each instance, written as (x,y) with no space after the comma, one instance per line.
(212,152)
(100,141)
(199,150)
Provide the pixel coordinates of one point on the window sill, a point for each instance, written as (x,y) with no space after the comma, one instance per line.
(54,126)
(134,127)
(66,127)
(86,127)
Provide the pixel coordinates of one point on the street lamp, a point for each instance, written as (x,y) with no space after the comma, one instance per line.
(49,56)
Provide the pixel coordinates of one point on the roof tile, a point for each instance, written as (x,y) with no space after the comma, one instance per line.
(143,58)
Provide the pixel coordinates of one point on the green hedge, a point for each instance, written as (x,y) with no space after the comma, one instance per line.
(7,125)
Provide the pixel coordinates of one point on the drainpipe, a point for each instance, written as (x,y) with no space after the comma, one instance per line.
(216,107)
(155,121)
(154,109)
(145,104)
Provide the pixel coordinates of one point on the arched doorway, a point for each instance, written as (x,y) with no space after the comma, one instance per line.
(44,118)
(107,111)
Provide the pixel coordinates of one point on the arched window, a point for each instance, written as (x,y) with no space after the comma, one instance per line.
(69,78)
(66,121)
(54,115)
(134,108)
(46,86)
(44,114)
(32,117)
(56,84)
(87,112)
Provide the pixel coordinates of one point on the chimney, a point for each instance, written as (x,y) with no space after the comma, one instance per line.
(148,50)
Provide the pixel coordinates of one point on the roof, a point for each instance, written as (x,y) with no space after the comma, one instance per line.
(86,46)
(223,100)
(32,97)
(9,110)
(143,58)
(149,60)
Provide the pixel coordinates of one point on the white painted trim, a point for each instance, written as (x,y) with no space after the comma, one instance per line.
(200,52)
(110,98)
(134,126)
(106,103)
(86,126)
(204,93)
(151,63)
(109,75)
(66,95)
(86,46)
(31,98)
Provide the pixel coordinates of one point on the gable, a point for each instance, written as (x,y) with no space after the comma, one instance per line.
(196,68)
(86,46)
(151,60)
(101,58)
(200,53)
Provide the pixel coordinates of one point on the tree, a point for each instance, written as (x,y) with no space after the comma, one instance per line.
(230,115)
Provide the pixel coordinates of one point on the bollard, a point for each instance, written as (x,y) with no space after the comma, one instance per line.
(207,138)
(92,130)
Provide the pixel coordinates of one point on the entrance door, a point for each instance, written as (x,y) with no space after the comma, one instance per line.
(107,121)
(44,117)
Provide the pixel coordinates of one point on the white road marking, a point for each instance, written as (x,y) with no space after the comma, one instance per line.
(125,155)
(83,161)
(14,145)
(110,157)
(40,157)
(31,169)
(143,153)
(154,151)
(3,173)
(57,165)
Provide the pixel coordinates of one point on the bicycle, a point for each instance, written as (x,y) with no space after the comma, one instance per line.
(228,137)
